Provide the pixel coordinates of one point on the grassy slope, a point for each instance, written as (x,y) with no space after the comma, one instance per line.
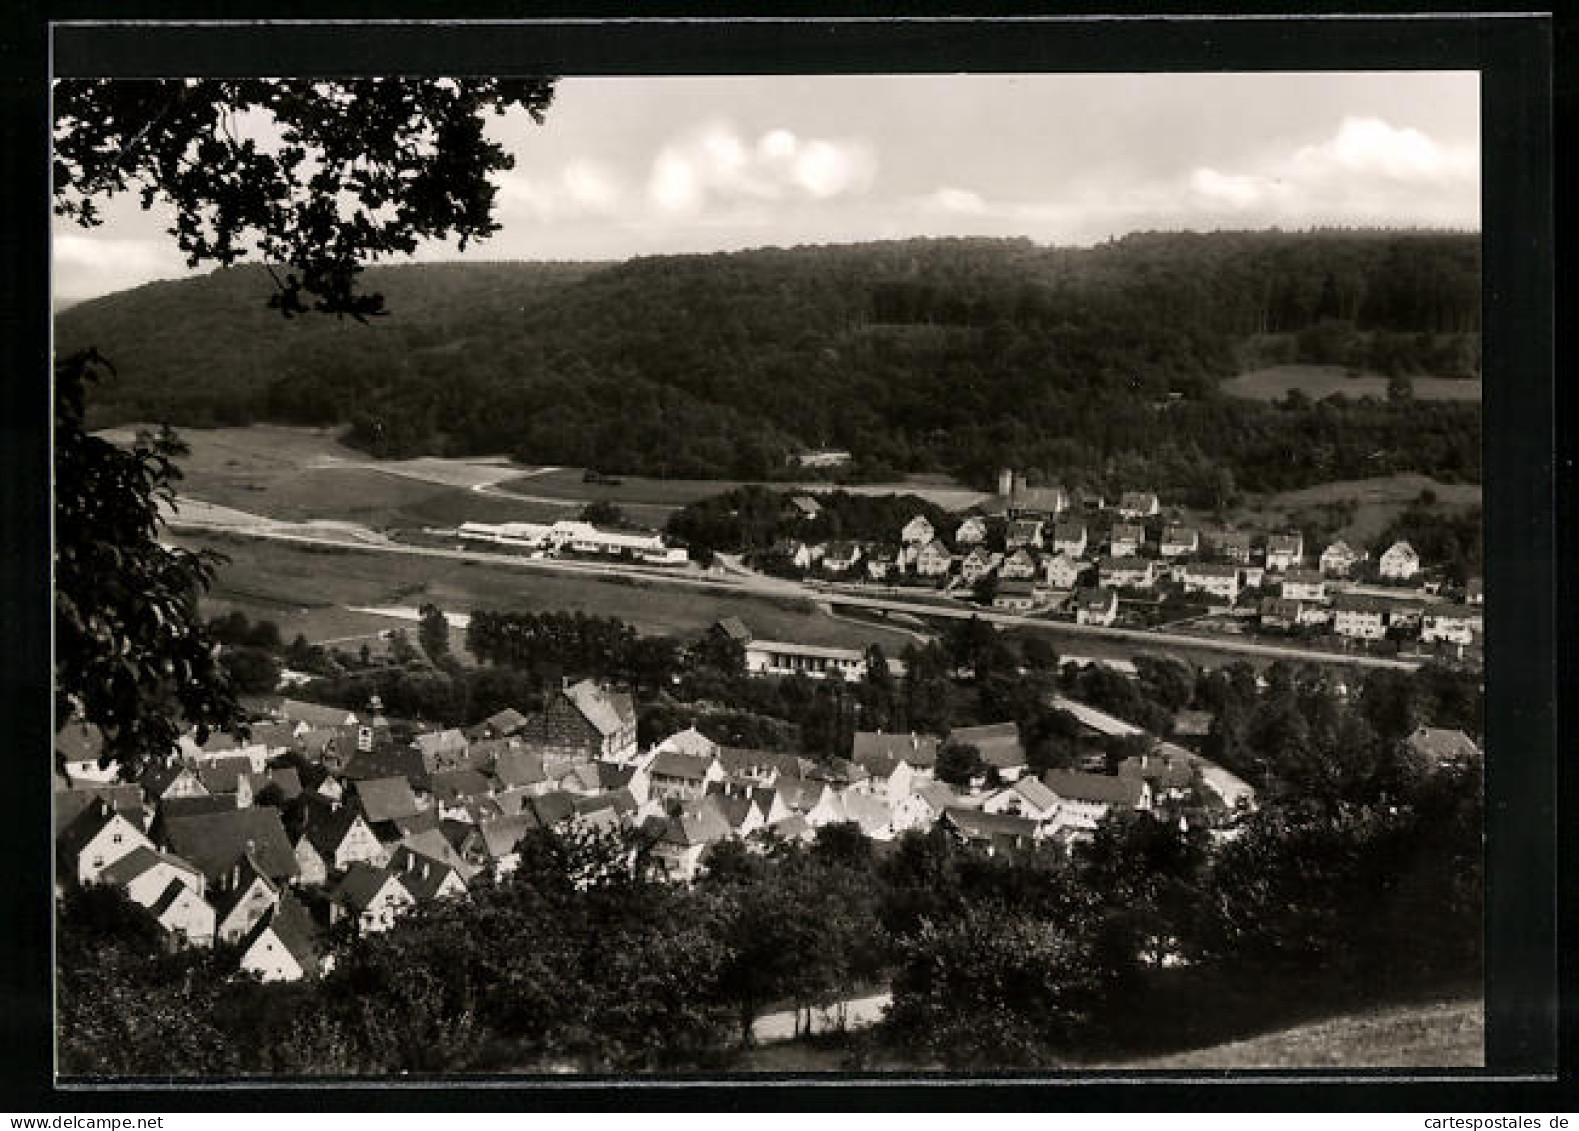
(1438,1035)
(1318,381)
(306,590)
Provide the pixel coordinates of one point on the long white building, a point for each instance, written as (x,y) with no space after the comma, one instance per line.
(579,537)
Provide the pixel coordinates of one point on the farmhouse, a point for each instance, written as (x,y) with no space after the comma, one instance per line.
(1399,562)
(1096,606)
(1085,799)
(1180,541)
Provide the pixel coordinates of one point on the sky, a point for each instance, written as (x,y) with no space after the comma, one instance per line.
(641,166)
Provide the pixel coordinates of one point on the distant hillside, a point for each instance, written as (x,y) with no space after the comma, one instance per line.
(916,355)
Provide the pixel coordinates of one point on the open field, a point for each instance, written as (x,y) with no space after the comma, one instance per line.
(1440,1035)
(303,474)
(566,483)
(1318,381)
(1376,502)
(309,590)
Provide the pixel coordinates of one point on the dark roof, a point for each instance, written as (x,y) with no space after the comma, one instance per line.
(738,761)
(452,785)
(421,875)
(328,825)
(505,722)
(313,714)
(138,861)
(215,841)
(285,777)
(1210,569)
(998,743)
(384,799)
(1078,786)
(674,765)
(697,824)
(552,808)
(127,800)
(1361,603)
(293,926)
(734,628)
(156,779)
(1069,531)
(223,775)
(519,767)
(388,762)
(361,884)
(608,711)
(976,824)
(1089,598)
(1285,543)
(920,750)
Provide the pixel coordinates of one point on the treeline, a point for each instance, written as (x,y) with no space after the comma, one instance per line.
(1150,938)
(753,518)
(923,355)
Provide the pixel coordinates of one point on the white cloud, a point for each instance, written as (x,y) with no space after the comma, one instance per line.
(1370,146)
(82,266)
(1235,191)
(715,166)
(582,188)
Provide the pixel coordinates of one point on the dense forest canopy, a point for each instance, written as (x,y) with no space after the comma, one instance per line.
(918,355)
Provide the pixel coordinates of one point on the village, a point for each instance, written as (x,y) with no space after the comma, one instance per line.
(1081,558)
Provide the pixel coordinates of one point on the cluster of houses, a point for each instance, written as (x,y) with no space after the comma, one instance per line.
(326,816)
(576,537)
(1055,557)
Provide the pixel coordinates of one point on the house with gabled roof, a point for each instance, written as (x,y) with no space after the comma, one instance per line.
(872,815)
(1215,579)
(1169,770)
(1027,798)
(1021,565)
(1024,532)
(1179,541)
(978,564)
(503,724)
(96,838)
(1442,747)
(583,723)
(451,787)
(998,744)
(933,559)
(880,562)
(1085,799)
(740,813)
(1360,616)
(918,531)
(372,898)
(1017,596)
(217,842)
(671,775)
(172,779)
(312,716)
(971,531)
(759,767)
(1451,624)
(1285,551)
(1097,606)
(283,946)
(1139,504)
(1063,571)
(1338,559)
(1126,539)
(1303,585)
(920,808)
(1070,538)
(494,844)
(688,741)
(995,834)
(919,750)
(1126,573)
(188,918)
(686,837)
(145,872)
(1399,562)
(1228,545)
(841,557)
(228,776)
(521,769)
(426,877)
(126,799)
(335,837)
(242,900)
(382,800)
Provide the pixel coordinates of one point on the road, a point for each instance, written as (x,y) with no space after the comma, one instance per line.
(741,581)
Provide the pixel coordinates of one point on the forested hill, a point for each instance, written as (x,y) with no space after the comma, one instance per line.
(916,355)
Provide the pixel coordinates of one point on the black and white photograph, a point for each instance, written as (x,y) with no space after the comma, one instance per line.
(734,574)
